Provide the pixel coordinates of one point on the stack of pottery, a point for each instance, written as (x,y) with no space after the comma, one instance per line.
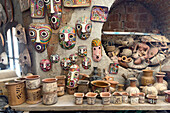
(33,89)
(60,84)
(49,91)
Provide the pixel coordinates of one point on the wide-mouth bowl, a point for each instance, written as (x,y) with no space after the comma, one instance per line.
(49,80)
(79,95)
(105,94)
(91,94)
(100,83)
(32,77)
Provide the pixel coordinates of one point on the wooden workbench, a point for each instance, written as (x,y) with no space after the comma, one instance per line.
(66,103)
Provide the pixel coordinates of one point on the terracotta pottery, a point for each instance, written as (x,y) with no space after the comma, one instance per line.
(106,97)
(120,88)
(132,89)
(32,82)
(141,98)
(91,98)
(71,90)
(78,98)
(49,85)
(113,85)
(60,90)
(16,93)
(134,99)
(149,89)
(33,96)
(167,71)
(49,98)
(83,86)
(147,78)
(152,99)
(163,73)
(125,98)
(100,86)
(167,95)
(117,98)
(61,79)
(159,85)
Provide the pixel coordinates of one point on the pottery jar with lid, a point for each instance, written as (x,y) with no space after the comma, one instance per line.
(32,82)
(132,89)
(147,78)
(149,89)
(49,85)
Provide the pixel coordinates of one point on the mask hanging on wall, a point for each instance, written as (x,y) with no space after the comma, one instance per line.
(24,58)
(77,3)
(73,75)
(54,10)
(83,28)
(3,16)
(54,58)
(67,37)
(37,8)
(40,35)
(45,65)
(20,34)
(86,63)
(4,58)
(96,50)
(65,63)
(82,51)
(73,58)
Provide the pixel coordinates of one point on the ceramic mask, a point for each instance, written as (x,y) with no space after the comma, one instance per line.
(54,58)
(86,63)
(83,28)
(67,37)
(73,58)
(96,50)
(54,10)
(113,68)
(24,58)
(20,34)
(37,8)
(65,63)
(73,75)
(40,35)
(82,51)
(4,58)
(45,65)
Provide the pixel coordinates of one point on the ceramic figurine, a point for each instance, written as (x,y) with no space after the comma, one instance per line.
(73,58)
(3,16)
(67,37)
(86,63)
(45,65)
(40,34)
(37,8)
(24,58)
(32,82)
(20,34)
(73,75)
(24,5)
(82,51)
(78,98)
(96,50)
(76,3)
(54,58)
(83,28)
(132,89)
(113,68)
(65,63)
(54,10)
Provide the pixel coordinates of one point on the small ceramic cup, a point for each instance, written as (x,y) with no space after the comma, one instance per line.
(91,98)
(78,98)
(105,97)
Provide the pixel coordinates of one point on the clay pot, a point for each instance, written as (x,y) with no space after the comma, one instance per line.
(100,86)
(33,96)
(150,89)
(91,98)
(105,97)
(120,88)
(71,90)
(117,98)
(32,82)
(113,86)
(125,98)
(163,73)
(134,99)
(167,96)
(16,92)
(132,89)
(49,85)
(141,98)
(83,86)
(147,78)
(152,99)
(61,79)
(50,98)
(159,85)
(78,98)
(60,90)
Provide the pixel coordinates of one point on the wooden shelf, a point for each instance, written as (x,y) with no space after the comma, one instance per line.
(66,103)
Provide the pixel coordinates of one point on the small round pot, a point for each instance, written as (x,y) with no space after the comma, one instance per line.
(49,85)
(32,82)
(100,86)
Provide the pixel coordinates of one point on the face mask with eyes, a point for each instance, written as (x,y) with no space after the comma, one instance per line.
(40,35)
(54,58)
(37,8)
(73,58)
(82,51)
(86,63)
(65,63)
(96,50)
(73,75)
(45,65)
(83,28)
(67,37)
(54,10)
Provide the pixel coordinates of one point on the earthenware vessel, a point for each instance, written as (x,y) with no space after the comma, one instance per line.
(100,86)
(164,81)
(125,98)
(32,82)
(141,98)
(83,86)
(117,98)
(167,96)
(120,88)
(132,89)
(147,78)
(152,99)
(50,98)
(60,90)
(113,85)
(91,98)
(33,96)
(71,90)
(49,85)
(149,89)
(134,99)
(61,80)
(78,98)
(106,97)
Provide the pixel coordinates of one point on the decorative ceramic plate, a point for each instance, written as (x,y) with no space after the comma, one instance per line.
(77,3)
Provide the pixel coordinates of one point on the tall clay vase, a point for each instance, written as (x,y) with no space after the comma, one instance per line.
(147,78)
(132,89)
(159,85)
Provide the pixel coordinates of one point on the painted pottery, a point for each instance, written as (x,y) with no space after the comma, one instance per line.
(65,63)
(113,68)
(71,90)
(83,86)
(40,35)
(76,3)
(37,8)
(50,98)
(73,58)
(125,98)
(149,89)
(106,97)
(134,99)
(61,80)
(49,85)
(132,89)
(45,65)
(82,51)
(167,96)
(96,50)
(32,82)
(117,98)
(60,90)
(33,96)
(141,98)
(83,27)
(86,63)
(78,98)
(152,99)
(91,98)
(147,78)
(55,58)
(120,88)
(100,86)
(16,92)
